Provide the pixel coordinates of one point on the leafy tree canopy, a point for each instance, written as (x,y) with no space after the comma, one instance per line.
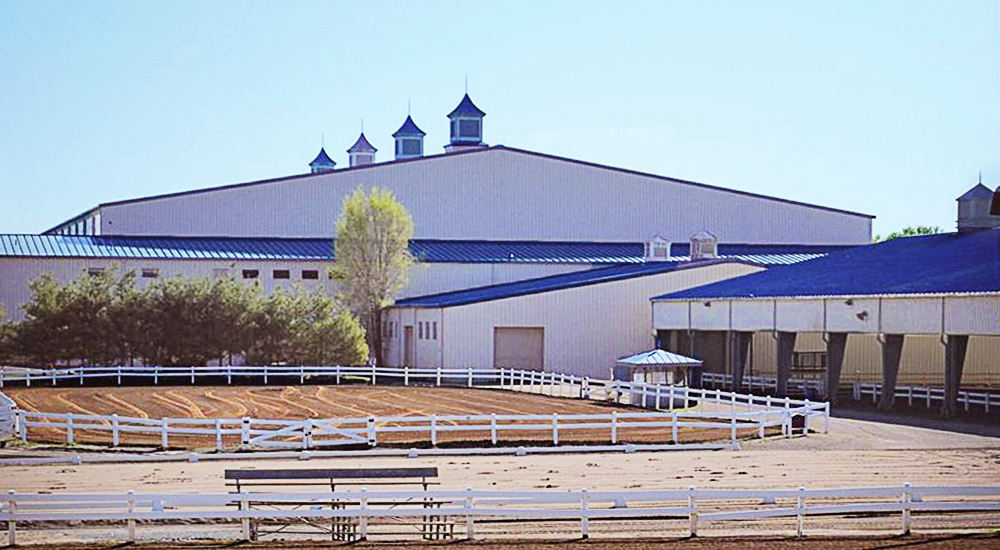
(908,232)
(372,256)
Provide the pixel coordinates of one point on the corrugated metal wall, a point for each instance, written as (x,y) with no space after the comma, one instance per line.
(495,194)
(586,328)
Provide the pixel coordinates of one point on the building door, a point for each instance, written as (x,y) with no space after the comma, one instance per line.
(408,348)
(519,347)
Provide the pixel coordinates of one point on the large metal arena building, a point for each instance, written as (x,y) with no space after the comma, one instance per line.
(527,259)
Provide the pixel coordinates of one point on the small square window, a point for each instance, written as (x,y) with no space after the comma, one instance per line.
(310,274)
(435,325)
(251,273)
(94,271)
(150,273)
(281,274)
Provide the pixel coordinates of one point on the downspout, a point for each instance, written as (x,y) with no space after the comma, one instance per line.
(880,336)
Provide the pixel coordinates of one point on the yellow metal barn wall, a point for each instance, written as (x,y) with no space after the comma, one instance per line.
(922,362)
(586,328)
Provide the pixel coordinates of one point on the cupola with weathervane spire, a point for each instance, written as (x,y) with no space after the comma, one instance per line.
(409,140)
(362,153)
(322,163)
(466,126)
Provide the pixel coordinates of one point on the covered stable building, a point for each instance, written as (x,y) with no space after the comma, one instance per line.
(920,309)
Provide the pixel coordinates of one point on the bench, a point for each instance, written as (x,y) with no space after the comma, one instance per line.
(340,529)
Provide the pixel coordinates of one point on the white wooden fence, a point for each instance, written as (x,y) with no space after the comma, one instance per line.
(694,507)
(921,395)
(734,412)
(8,420)
(984,401)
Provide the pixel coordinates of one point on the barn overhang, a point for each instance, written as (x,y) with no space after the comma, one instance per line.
(946,313)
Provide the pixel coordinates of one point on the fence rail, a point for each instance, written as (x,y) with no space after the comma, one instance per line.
(927,396)
(693,506)
(737,413)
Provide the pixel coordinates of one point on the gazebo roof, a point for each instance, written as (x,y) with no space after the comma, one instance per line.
(658,358)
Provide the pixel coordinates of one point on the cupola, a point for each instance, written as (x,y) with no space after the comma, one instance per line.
(657,249)
(704,246)
(409,140)
(466,126)
(362,153)
(322,163)
(974,209)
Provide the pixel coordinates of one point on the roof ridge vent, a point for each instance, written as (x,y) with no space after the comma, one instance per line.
(704,246)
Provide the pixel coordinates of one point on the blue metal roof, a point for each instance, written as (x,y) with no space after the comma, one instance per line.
(658,357)
(535,286)
(362,146)
(428,250)
(322,159)
(933,264)
(466,108)
(409,128)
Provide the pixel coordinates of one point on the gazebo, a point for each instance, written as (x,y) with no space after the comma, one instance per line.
(656,367)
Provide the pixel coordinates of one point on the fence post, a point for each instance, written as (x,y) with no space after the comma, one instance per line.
(371,431)
(614,428)
(469,532)
(826,417)
(307,434)
(856,390)
(786,423)
(69,429)
(114,430)
(907,498)
(374,374)
(470,377)
(163,433)
(800,506)
(218,434)
(439,376)
(119,375)
(11,523)
(585,388)
(363,518)
(131,516)
(244,518)
(493,428)
(732,429)
(27,378)
(671,398)
(406,375)
(81,378)
(555,429)
(302,374)
(584,515)
(22,426)
(229,375)
(245,432)
(805,419)
(692,512)
(434,430)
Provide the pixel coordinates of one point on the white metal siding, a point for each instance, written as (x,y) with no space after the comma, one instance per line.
(494,194)
(586,328)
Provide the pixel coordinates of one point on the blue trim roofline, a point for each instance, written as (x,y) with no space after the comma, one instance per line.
(575,279)
(947,263)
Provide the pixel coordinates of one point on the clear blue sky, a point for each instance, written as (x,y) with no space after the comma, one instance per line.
(889,108)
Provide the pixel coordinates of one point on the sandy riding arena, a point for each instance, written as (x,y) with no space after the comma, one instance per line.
(351,401)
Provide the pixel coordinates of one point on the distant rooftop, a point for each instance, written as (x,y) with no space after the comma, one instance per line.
(932,264)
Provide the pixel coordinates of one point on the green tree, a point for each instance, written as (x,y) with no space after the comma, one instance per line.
(372,257)
(908,232)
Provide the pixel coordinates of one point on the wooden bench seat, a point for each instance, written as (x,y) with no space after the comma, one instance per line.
(340,529)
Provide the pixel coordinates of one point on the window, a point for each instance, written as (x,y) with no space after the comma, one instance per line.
(420,331)
(94,271)
(468,128)
(281,274)
(411,146)
(454,129)
(310,274)
(150,273)
(251,273)
(435,332)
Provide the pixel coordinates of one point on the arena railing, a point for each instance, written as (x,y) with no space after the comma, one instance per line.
(737,411)
(366,510)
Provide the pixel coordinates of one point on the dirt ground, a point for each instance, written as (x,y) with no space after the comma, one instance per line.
(301,402)
(939,542)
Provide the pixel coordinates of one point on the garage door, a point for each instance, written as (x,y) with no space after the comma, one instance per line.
(519,347)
